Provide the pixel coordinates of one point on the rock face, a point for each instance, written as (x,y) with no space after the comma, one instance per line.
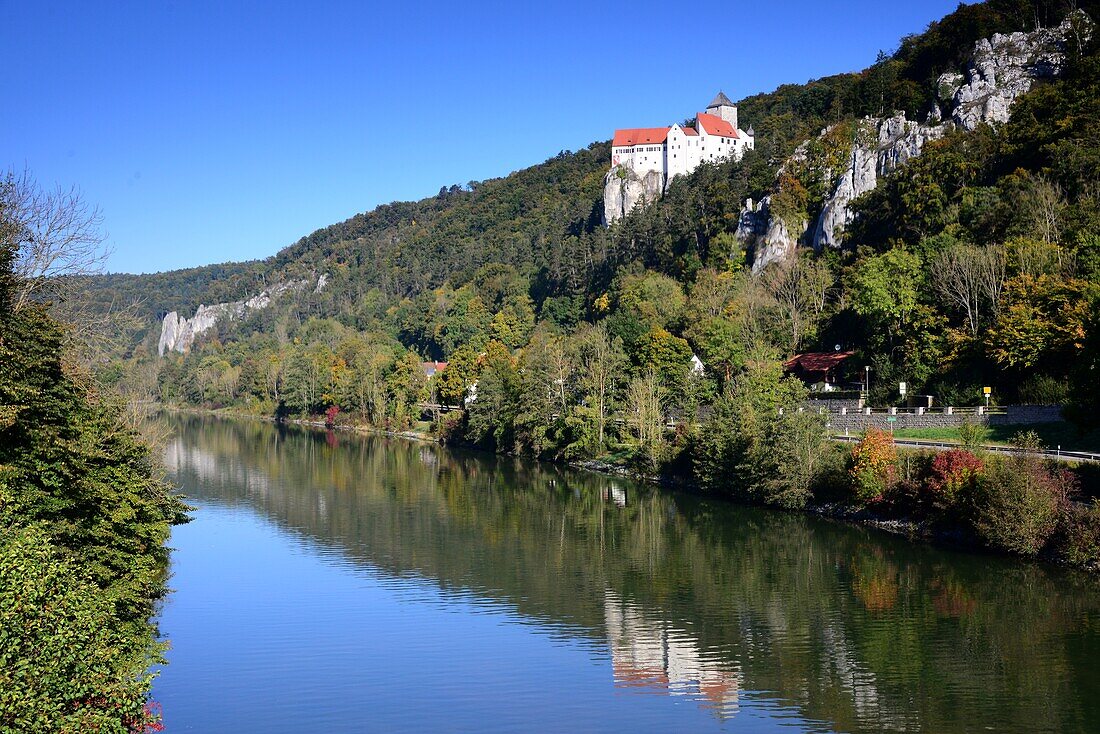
(623,189)
(178,334)
(1003,68)
(771,240)
(858,178)
(882,146)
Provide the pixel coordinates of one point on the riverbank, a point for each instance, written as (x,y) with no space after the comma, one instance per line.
(907,506)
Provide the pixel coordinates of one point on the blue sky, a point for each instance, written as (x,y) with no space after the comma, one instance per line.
(216,131)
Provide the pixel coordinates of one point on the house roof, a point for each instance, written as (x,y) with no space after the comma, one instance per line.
(721,100)
(431,368)
(640,135)
(715,125)
(816,361)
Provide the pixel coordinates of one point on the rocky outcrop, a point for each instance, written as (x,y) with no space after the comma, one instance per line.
(1003,68)
(771,240)
(881,146)
(753,222)
(623,190)
(858,178)
(178,334)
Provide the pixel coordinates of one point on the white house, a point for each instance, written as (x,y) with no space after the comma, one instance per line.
(672,151)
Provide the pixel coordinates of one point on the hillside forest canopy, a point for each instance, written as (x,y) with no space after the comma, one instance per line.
(977,264)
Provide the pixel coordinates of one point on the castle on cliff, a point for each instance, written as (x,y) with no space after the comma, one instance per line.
(650,153)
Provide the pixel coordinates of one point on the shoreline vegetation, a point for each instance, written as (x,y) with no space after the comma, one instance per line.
(1032,512)
(85,517)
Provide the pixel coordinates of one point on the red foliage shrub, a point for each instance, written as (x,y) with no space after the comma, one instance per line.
(952,474)
(330,415)
(1078,541)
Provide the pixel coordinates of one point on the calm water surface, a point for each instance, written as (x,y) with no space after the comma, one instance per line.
(333,583)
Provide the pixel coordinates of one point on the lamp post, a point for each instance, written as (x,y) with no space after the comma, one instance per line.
(867,379)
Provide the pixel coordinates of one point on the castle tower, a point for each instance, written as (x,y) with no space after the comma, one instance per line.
(724,108)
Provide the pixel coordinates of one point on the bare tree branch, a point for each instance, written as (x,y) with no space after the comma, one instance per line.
(54,233)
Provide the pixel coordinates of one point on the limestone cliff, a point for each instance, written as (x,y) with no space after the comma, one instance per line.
(624,189)
(178,333)
(1002,69)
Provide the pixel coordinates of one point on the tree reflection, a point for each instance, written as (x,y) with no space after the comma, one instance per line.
(690,597)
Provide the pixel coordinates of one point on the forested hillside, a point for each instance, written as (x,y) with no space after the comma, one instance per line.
(977,264)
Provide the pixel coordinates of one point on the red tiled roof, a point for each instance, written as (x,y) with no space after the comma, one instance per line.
(640,136)
(430,368)
(715,125)
(817,361)
(690,131)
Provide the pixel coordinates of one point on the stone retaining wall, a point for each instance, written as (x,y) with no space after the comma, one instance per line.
(1027,414)
(854,421)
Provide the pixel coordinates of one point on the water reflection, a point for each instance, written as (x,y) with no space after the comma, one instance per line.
(733,608)
(652,655)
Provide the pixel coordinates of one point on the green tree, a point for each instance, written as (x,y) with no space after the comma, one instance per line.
(461,373)
(546,392)
(885,290)
(756,445)
(67,664)
(601,364)
(491,417)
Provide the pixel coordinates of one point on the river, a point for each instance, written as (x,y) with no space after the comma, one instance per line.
(339,583)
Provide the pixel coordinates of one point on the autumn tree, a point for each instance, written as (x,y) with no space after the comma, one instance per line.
(1043,321)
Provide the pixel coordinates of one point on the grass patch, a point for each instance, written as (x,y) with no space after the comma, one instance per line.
(1053,435)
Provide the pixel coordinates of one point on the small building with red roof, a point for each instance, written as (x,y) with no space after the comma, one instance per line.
(677,150)
(823,369)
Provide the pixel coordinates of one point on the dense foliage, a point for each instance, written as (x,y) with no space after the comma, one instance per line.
(84,519)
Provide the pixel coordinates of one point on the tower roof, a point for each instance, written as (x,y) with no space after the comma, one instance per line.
(721,100)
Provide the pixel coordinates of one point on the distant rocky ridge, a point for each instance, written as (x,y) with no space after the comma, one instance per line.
(177,334)
(1002,69)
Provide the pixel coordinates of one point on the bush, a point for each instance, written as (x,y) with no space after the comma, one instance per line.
(68,665)
(872,466)
(1078,541)
(1018,503)
(449,427)
(787,463)
(973,435)
(953,475)
(908,495)
(1044,390)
